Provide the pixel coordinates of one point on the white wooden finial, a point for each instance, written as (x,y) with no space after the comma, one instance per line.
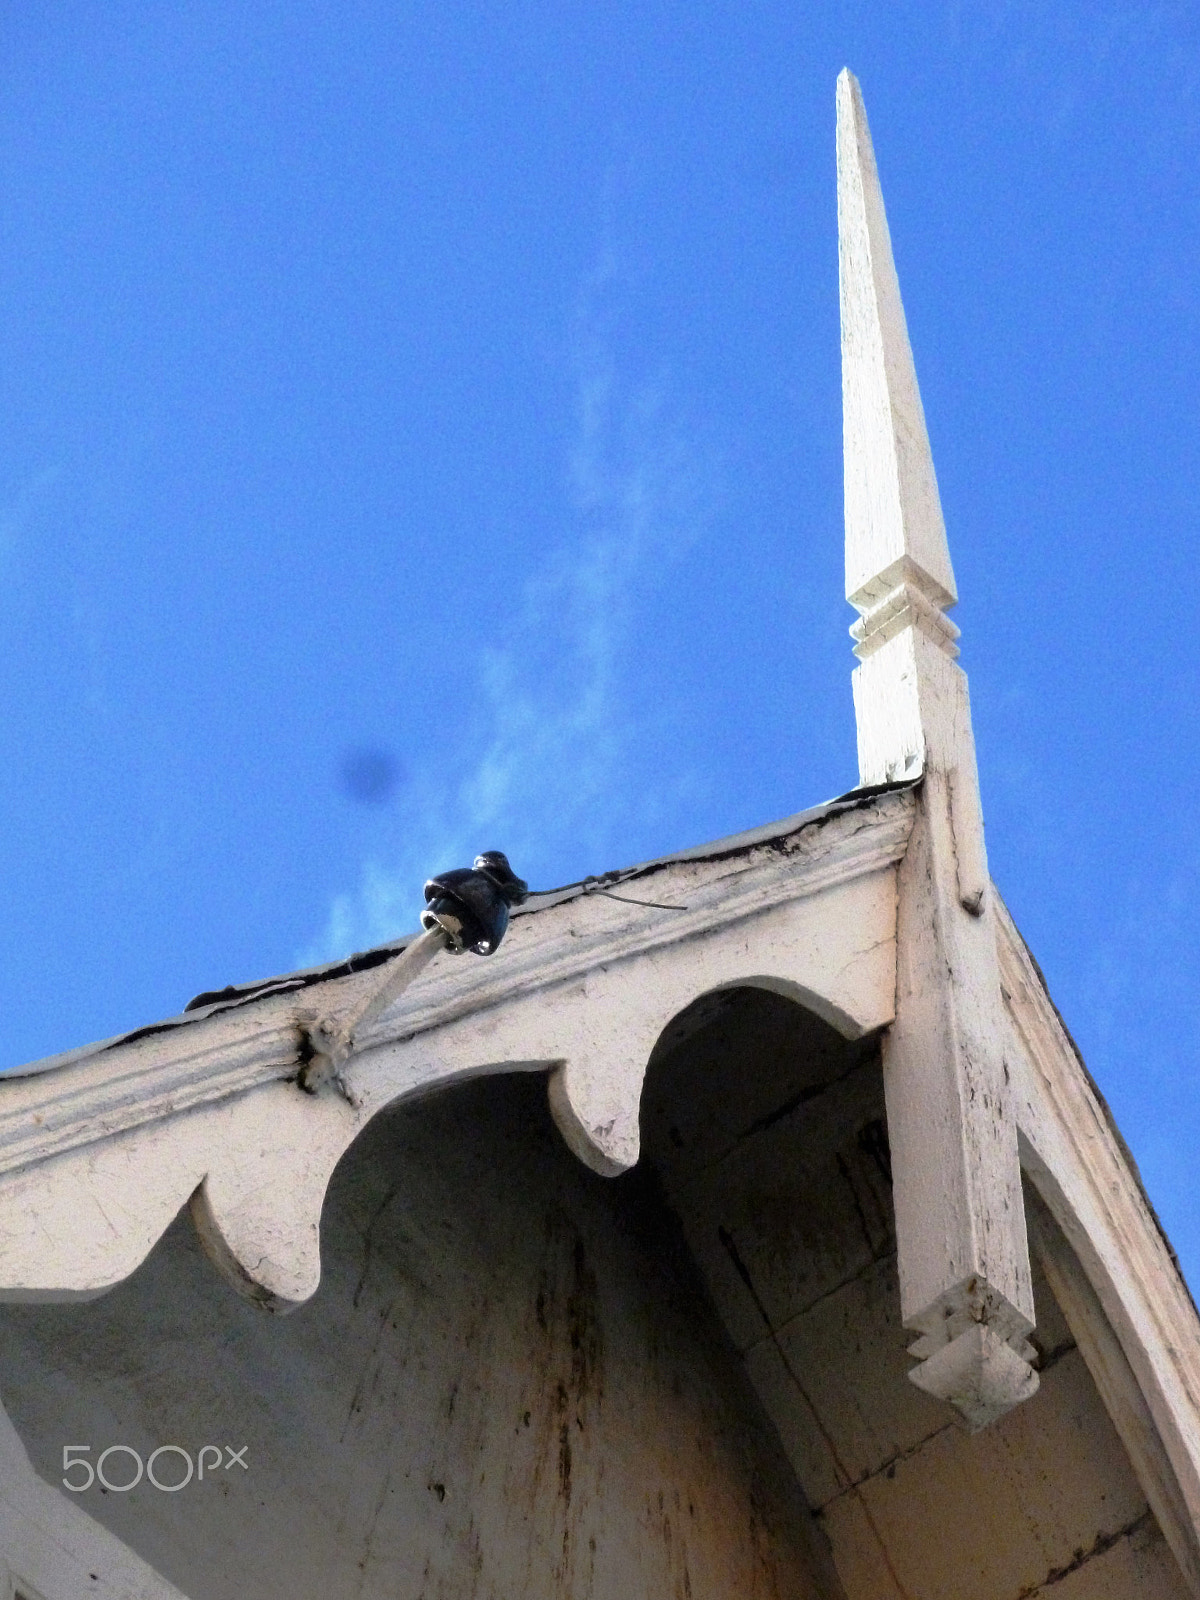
(898,571)
(960,1222)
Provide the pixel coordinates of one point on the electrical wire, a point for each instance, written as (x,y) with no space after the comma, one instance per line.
(589,886)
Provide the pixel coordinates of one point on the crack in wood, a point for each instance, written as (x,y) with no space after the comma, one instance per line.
(1104,1542)
(887,1468)
(729,1245)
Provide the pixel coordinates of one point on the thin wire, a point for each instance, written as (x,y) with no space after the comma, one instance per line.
(591,886)
(655,905)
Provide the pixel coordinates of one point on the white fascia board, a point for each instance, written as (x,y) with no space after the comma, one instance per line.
(205,1056)
(1077,1161)
(97,1156)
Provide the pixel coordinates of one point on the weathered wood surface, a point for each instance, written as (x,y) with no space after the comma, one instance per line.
(1076,1160)
(964,1258)
(230,1047)
(103,1153)
(1116,1384)
(509,1384)
(494,1276)
(51,1548)
(768,1130)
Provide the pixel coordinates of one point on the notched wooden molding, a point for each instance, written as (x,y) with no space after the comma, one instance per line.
(960,1225)
(980,1375)
(229,1114)
(161,1074)
(963,1258)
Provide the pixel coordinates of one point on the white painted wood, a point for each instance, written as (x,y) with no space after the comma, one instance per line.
(1118,1388)
(980,1375)
(786,1208)
(337,1039)
(222,1109)
(508,1386)
(959,1211)
(810,914)
(1081,1170)
(50,1549)
(963,1254)
(210,1056)
(894,526)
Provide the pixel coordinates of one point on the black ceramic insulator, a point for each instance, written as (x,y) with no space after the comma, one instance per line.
(470,904)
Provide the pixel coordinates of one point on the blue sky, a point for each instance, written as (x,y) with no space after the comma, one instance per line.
(420,432)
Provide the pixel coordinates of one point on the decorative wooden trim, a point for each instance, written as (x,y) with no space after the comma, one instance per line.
(1077,1162)
(816,858)
(218,1056)
(148,1081)
(1118,1387)
(256,1163)
(965,1284)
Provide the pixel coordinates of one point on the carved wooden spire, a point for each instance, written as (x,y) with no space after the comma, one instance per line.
(960,1222)
(894,527)
(898,571)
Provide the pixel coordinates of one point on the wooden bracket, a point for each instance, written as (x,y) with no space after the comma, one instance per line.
(960,1221)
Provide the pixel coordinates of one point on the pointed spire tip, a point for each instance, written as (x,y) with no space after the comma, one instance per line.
(894,528)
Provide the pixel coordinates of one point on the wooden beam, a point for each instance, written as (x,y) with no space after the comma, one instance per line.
(963,1254)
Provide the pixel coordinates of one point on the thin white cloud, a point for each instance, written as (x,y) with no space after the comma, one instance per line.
(548,774)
